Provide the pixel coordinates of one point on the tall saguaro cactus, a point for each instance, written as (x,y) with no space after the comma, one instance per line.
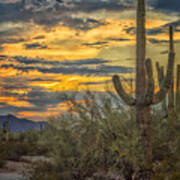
(145,96)
(178,89)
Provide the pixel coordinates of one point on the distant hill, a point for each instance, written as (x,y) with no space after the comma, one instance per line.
(20,125)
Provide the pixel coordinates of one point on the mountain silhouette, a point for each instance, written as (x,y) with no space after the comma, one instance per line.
(20,125)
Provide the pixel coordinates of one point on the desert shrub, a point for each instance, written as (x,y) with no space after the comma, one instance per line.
(100,135)
(14,150)
(43,170)
(166,147)
(2,160)
(93,137)
(31,136)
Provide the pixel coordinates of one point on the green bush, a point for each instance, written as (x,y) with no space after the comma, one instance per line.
(93,137)
(2,160)
(45,171)
(14,150)
(101,136)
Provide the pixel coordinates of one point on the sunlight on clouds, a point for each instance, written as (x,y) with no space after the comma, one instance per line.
(51,111)
(63,43)
(72,83)
(113,39)
(14,101)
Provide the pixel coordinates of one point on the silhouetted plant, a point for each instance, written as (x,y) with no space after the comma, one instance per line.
(145,96)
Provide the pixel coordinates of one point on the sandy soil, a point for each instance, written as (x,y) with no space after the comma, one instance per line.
(11,176)
(14,170)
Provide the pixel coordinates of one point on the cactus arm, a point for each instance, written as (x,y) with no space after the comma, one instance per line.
(167,81)
(160,72)
(128,99)
(150,83)
(166,84)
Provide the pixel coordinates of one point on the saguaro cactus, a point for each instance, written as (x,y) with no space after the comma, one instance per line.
(178,90)
(145,96)
(172,106)
(6,131)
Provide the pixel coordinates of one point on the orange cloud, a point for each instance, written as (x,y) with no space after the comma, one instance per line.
(15,101)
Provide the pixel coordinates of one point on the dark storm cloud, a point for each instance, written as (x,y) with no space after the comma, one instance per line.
(35,46)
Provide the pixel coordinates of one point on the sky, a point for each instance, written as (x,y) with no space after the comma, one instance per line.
(49,48)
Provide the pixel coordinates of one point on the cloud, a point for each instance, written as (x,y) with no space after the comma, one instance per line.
(168,5)
(39,37)
(98,43)
(80,23)
(84,62)
(96,83)
(1,48)
(118,39)
(98,71)
(35,46)
(62,13)
(78,67)
(6,40)
(155,41)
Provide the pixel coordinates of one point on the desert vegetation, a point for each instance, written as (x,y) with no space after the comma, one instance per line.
(101,140)
(111,137)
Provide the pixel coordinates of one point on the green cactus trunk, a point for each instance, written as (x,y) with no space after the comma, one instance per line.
(143,113)
(145,96)
(178,90)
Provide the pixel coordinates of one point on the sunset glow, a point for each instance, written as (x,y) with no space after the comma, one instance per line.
(44,54)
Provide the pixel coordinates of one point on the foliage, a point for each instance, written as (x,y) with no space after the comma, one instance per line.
(2,161)
(166,147)
(93,137)
(45,171)
(100,135)
(14,150)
